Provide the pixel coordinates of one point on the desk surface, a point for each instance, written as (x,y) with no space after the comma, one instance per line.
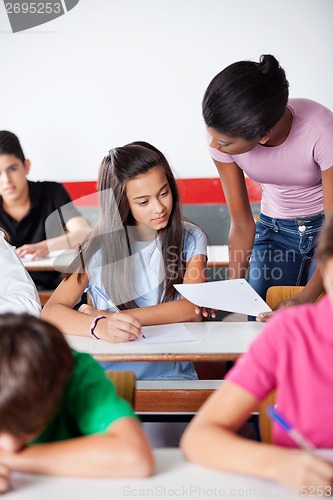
(175,478)
(216,341)
(217,256)
(56,261)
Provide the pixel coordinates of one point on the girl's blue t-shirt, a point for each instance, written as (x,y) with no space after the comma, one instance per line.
(148,275)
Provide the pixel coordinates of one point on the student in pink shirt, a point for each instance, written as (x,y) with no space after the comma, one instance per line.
(286,145)
(293,355)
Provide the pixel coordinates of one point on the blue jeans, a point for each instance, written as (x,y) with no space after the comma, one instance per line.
(283,252)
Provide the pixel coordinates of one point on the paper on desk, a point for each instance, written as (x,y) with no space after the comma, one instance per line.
(27,257)
(163,334)
(227,295)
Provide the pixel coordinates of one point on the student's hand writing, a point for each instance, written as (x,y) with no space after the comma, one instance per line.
(38,250)
(205,312)
(303,471)
(4,479)
(119,327)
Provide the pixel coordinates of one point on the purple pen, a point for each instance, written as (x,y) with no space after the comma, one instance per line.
(293,433)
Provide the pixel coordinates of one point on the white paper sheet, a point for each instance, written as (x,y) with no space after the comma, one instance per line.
(163,334)
(227,295)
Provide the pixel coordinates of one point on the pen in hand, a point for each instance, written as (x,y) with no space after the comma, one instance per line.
(107,299)
(293,433)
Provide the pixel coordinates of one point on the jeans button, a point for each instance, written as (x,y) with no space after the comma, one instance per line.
(301,226)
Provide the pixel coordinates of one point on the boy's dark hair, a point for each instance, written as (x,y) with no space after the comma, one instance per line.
(35,364)
(247,98)
(324,249)
(10,145)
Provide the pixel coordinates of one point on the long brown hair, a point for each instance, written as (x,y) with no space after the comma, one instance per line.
(112,234)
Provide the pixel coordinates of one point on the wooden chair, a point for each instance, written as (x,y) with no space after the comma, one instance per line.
(44,296)
(275,294)
(265,423)
(125,384)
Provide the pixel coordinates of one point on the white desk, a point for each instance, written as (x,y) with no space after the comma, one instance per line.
(217,256)
(58,260)
(217,341)
(175,478)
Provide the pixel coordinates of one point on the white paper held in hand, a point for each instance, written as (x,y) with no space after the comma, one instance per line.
(226,295)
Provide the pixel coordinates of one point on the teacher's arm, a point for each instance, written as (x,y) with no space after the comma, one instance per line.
(242,226)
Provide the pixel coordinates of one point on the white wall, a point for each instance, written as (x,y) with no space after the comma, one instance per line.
(112,71)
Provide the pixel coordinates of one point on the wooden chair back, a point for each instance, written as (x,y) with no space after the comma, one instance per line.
(275,294)
(265,423)
(125,384)
(44,296)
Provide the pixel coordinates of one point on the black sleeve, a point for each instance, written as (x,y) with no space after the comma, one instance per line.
(63,203)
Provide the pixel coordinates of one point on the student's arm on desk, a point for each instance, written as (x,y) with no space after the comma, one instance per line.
(122,452)
(211,440)
(77,230)
(242,226)
(175,311)
(116,327)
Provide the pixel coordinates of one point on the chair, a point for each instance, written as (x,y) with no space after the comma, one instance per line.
(265,424)
(275,294)
(125,384)
(44,296)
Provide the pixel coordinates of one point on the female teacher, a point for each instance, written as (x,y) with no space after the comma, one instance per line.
(287,146)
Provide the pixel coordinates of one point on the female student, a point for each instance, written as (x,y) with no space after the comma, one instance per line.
(25,206)
(287,146)
(18,293)
(293,355)
(139,250)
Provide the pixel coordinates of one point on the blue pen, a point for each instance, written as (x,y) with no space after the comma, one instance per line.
(300,440)
(107,299)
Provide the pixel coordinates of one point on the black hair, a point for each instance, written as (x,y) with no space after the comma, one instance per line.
(10,145)
(247,98)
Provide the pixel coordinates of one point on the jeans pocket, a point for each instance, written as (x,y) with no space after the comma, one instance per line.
(307,245)
(261,231)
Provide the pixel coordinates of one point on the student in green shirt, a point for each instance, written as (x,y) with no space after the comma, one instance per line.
(59,414)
